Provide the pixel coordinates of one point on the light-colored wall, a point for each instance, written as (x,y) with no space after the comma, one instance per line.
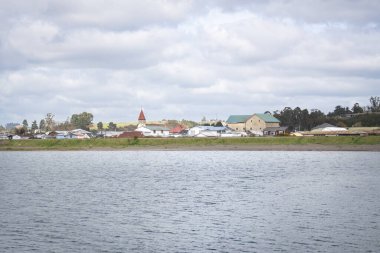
(240,127)
(254,123)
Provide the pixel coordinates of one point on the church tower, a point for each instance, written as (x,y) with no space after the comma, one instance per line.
(141,119)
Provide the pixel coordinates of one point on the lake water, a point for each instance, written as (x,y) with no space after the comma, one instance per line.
(164,201)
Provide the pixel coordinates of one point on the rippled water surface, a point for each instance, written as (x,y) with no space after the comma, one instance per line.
(189,201)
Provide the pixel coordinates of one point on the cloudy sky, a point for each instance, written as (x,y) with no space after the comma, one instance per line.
(185,59)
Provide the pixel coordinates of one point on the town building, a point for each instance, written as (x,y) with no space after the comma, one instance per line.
(151,130)
(207,131)
(254,124)
(141,119)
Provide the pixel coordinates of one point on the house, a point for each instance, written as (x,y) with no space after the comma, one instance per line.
(4,136)
(275,130)
(80,134)
(111,134)
(254,124)
(207,131)
(153,131)
(62,134)
(177,129)
(238,122)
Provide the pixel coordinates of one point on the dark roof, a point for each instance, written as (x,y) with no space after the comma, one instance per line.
(267,118)
(273,129)
(142,116)
(324,125)
(238,118)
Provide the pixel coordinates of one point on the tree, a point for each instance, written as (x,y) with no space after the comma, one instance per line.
(83,120)
(42,125)
(25,124)
(357,109)
(66,125)
(20,130)
(219,124)
(339,111)
(112,126)
(297,113)
(34,126)
(100,126)
(375,104)
(316,118)
(49,121)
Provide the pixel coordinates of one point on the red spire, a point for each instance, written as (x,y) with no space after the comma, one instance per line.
(141,116)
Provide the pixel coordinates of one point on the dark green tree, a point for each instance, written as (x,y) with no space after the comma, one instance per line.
(34,126)
(357,108)
(112,126)
(25,124)
(82,120)
(219,124)
(42,125)
(316,118)
(339,111)
(100,126)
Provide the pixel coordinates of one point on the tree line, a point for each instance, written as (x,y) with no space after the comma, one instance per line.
(298,119)
(48,123)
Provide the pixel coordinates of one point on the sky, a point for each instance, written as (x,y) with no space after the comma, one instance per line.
(185,59)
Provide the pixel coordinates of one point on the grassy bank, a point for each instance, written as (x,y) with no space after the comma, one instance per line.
(186,143)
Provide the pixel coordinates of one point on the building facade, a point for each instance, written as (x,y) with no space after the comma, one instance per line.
(255,123)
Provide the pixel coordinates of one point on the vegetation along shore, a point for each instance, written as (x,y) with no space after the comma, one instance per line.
(320,143)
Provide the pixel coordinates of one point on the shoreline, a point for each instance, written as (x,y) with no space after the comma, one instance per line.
(370,143)
(242,147)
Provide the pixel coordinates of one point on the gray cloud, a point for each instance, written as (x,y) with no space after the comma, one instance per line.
(185,59)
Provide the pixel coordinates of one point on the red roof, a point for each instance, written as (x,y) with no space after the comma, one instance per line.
(177,129)
(141,116)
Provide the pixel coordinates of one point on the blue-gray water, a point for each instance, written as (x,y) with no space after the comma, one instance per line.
(189,201)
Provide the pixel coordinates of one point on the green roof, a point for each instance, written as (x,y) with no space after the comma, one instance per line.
(157,128)
(238,118)
(267,118)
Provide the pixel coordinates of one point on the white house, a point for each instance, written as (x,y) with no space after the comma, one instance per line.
(80,134)
(207,131)
(154,131)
